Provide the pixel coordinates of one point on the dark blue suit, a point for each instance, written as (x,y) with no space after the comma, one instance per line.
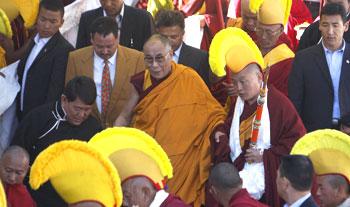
(137,27)
(310,87)
(310,202)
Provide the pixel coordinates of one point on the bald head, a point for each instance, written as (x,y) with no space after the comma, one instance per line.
(14,165)
(158,38)
(86,204)
(138,191)
(225,176)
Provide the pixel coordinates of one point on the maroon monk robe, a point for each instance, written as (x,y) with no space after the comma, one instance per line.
(18,196)
(286,128)
(173,201)
(243,199)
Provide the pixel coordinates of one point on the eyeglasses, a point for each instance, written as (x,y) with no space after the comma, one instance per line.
(158,58)
(261,31)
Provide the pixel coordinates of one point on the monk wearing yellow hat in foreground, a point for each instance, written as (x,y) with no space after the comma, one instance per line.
(172,104)
(262,124)
(143,166)
(80,174)
(329,151)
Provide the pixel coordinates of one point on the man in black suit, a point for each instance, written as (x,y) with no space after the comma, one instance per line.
(136,25)
(41,72)
(312,34)
(294,181)
(319,81)
(172,25)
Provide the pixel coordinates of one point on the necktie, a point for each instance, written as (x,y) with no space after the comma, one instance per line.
(106,87)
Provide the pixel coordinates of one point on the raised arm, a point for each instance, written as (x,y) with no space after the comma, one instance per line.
(124,118)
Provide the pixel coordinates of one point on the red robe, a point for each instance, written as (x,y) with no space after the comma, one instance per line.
(243,199)
(18,196)
(214,17)
(286,128)
(173,201)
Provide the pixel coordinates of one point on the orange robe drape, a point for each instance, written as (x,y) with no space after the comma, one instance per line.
(180,113)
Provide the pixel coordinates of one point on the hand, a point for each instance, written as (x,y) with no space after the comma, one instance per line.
(254,155)
(217,136)
(202,21)
(231,89)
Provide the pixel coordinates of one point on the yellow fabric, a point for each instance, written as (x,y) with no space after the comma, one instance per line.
(278,54)
(29,10)
(78,173)
(2,58)
(147,80)
(180,113)
(227,45)
(238,22)
(271,11)
(10,9)
(3,202)
(245,129)
(329,151)
(153,6)
(145,156)
(5,26)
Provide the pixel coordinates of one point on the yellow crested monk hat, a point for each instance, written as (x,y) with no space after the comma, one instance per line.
(78,172)
(329,151)
(271,11)
(234,48)
(134,153)
(10,9)
(3,202)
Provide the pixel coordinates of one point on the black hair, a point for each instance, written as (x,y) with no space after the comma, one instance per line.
(169,18)
(334,9)
(345,120)
(298,170)
(104,26)
(81,87)
(52,5)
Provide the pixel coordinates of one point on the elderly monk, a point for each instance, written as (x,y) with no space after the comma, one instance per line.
(172,103)
(14,165)
(272,16)
(257,159)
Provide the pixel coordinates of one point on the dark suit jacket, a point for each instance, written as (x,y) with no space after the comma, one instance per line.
(196,59)
(309,203)
(46,75)
(137,27)
(312,35)
(310,87)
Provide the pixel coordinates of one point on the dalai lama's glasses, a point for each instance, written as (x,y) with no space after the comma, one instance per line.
(158,58)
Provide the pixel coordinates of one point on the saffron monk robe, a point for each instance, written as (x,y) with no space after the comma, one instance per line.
(172,104)
(280,127)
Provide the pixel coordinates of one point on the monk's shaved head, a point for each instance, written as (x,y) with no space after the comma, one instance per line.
(86,204)
(15,151)
(138,191)
(14,165)
(158,38)
(225,176)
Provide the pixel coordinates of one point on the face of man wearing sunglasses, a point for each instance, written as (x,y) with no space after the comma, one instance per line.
(158,58)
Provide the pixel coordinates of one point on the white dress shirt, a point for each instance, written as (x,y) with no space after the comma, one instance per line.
(176,54)
(98,71)
(299,201)
(39,44)
(160,197)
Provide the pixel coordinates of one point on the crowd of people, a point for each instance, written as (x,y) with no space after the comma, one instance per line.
(127,112)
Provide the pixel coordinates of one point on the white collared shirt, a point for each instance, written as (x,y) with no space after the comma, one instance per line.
(299,201)
(39,45)
(176,54)
(98,71)
(334,62)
